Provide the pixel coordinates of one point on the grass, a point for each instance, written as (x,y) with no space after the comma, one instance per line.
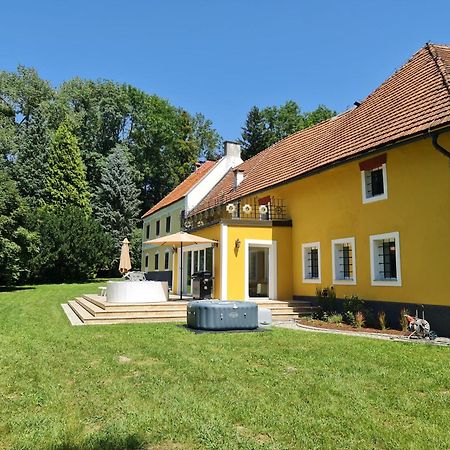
(160,386)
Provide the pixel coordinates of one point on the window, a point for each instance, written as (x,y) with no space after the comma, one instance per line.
(147,231)
(156,261)
(146,262)
(157,227)
(385,259)
(374,179)
(166,261)
(311,262)
(168,224)
(344,267)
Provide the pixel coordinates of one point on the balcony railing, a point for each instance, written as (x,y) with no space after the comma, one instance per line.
(254,209)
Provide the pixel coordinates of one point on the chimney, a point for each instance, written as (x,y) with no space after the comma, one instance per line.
(232,149)
(238,177)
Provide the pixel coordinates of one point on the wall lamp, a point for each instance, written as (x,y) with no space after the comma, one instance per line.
(237,243)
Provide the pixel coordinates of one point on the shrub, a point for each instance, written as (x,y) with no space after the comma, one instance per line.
(382,320)
(73,246)
(353,304)
(335,318)
(360,319)
(326,299)
(403,320)
(349,317)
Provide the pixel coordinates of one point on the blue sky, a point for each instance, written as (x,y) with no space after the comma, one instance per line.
(222,57)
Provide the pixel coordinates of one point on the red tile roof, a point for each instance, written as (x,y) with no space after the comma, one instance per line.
(414,99)
(183,188)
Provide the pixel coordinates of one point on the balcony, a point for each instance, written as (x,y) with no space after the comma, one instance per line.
(260,210)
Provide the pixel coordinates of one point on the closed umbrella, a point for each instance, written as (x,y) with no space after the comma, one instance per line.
(180,239)
(125,263)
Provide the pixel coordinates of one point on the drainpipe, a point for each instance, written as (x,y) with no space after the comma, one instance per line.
(439,147)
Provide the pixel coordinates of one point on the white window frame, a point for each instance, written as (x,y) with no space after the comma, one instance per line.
(375,281)
(159,262)
(305,247)
(375,198)
(335,256)
(167,252)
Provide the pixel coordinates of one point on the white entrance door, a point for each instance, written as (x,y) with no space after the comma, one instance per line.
(260,269)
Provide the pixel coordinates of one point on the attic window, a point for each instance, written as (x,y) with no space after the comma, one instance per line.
(374,179)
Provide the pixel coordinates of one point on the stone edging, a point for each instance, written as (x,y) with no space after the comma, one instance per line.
(383,336)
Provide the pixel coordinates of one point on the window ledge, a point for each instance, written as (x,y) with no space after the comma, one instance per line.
(376,198)
(312,280)
(345,282)
(386,282)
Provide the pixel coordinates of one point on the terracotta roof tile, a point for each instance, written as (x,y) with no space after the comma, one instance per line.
(414,99)
(183,188)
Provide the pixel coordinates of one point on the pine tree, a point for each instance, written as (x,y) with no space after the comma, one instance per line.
(254,133)
(266,126)
(65,179)
(116,200)
(31,165)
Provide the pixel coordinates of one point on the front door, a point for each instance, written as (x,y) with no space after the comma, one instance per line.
(258,272)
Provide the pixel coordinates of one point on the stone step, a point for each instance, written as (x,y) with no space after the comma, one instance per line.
(84,315)
(100,313)
(143,311)
(117,307)
(110,318)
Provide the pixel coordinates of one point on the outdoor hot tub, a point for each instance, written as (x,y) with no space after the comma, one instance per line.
(222,315)
(137,292)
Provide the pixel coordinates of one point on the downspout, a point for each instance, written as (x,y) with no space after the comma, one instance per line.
(439,147)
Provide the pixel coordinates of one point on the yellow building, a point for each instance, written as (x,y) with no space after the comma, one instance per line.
(360,202)
(168,216)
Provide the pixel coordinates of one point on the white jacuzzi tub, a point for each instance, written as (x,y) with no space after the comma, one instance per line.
(137,291)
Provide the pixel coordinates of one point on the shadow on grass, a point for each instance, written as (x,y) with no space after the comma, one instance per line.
(15,288)
(131,442)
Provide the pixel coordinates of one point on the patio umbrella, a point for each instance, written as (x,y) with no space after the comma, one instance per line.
(180,239)
(125,263)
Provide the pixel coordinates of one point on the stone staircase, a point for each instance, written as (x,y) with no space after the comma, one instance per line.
(302,308)
(92,309)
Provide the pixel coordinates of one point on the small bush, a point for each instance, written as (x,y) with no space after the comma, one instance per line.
(349,318)
(335,318)
(353,304)
(326,299)
(403,320)
(382,320)
(360,319)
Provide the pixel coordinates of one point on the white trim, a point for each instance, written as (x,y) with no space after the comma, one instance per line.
(377,237)
(334,242)
(223,262)
(202,188)
(179,256)
(383,196)
(311,280)
(273,267)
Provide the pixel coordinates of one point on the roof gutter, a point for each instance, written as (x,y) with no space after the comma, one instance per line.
(437,146)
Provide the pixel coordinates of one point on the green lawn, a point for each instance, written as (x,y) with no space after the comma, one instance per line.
(161,386)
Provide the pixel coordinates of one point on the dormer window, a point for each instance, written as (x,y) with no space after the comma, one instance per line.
(374,179)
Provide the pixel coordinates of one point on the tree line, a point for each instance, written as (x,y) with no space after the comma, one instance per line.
(81,163)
